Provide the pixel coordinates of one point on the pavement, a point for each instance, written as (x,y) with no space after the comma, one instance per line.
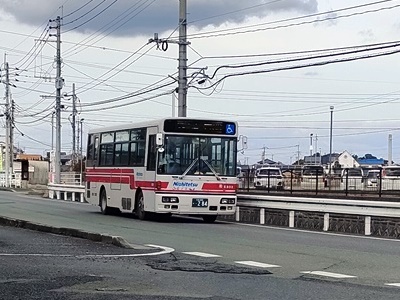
(41,190)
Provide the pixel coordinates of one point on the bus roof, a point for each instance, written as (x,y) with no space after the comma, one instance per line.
(152,123)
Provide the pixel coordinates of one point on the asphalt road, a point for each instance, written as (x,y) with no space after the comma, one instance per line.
(286,264)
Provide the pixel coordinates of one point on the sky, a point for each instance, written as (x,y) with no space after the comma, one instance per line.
(275,66)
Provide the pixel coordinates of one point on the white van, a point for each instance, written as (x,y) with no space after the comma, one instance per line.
(271,175)
(391,178)
(311,176)
(353,178)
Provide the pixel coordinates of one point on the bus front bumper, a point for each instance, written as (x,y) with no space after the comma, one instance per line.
(196,204)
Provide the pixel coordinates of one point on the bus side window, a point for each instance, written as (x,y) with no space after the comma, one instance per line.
(151,153)
(96,151)
(92,150)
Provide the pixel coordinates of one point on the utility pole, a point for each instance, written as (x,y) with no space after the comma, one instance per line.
(7,114)
(162,44)
(74,156)
(59,84)
(316,149)
(182,79)
(298,154)
(330,145)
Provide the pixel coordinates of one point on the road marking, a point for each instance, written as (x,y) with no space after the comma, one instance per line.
(256,264)
(328,274)
(201,254)
(164,250)
(393,284)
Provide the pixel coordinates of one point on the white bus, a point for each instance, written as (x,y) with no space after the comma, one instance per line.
(171,166)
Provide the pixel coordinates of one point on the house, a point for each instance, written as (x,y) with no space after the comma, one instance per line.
(345,160)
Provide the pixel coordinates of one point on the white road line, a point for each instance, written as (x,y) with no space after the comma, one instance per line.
(164,250)
(201,254)
(328,274)
(314,232)
(393,284)
(256,264)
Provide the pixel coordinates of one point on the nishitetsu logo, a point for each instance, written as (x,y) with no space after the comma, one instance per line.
(184,185)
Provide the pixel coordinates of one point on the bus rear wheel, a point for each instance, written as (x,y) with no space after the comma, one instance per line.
(105,210)
(209,218)
(139,209)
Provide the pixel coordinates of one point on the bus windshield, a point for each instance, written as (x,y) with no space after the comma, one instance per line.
(197,155)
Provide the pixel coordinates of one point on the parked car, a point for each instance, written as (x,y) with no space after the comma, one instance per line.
(268,177)
(391,178)
(352,179)
(311,176)
(373,178)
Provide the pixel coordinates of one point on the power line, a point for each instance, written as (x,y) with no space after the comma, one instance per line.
(218,33)
(84,42)
(84,15)
(76,10)
(95,16)
(322,63)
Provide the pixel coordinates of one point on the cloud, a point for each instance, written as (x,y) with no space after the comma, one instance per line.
(148,16)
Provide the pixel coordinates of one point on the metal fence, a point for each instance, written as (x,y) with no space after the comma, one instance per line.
(14,180)
(292,182)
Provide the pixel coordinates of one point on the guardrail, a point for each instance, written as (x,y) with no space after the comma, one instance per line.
(320,205)
(66,190)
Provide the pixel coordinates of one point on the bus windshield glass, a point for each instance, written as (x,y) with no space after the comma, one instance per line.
(198,155)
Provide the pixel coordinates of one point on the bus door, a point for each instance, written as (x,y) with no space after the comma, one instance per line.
(150,169)
(92,161)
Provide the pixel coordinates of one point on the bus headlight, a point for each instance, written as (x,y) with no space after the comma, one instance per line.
(227,201)
(170,200)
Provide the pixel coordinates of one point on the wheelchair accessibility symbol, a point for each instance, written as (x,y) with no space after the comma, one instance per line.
(230,129)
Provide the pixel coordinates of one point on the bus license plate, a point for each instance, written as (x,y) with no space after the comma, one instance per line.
(199,202)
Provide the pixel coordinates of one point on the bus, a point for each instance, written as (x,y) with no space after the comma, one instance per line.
(169,166)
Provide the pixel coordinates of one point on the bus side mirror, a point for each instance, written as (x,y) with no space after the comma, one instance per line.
(159,139)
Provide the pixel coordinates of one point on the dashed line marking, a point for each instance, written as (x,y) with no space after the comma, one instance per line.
(256,264)
(393,284)
(202,254)
(328,274)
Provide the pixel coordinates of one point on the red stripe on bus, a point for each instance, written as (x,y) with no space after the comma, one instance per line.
(110,170)
(220,187)
(196,192)
(125,179)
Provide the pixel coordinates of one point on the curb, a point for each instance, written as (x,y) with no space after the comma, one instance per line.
(96,237)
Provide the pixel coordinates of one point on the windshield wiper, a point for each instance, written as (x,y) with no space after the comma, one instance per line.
(188,168)
(211,169)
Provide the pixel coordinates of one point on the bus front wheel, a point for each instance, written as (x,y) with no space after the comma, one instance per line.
(105,210)
(140,213)
(209,218)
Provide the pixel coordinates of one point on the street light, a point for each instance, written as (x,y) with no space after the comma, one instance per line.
(330,147)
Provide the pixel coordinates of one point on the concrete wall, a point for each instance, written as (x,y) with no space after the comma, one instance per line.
(38,172)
